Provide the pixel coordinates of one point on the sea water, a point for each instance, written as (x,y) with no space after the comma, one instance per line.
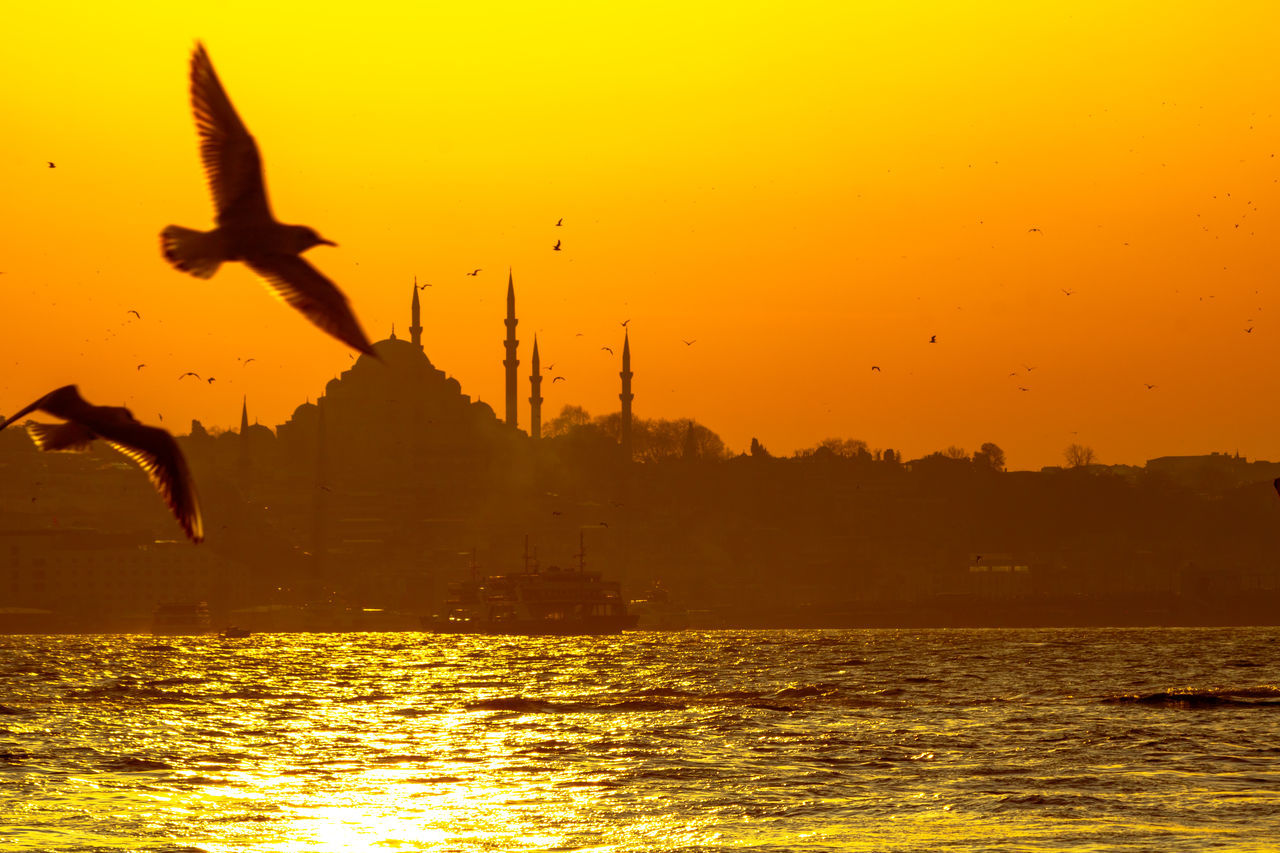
(851,740)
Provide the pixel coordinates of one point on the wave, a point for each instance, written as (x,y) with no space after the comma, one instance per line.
(1191,697)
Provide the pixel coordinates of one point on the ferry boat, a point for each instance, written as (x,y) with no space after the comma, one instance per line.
(181,618)
(536,601)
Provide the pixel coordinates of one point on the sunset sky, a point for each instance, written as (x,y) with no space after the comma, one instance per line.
(1077,201)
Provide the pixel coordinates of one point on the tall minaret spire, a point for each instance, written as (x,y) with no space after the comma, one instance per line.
(626,396)
(535,395)
(415,317)
(244,442)
(511,362)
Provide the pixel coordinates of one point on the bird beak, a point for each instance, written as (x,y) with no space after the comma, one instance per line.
(324,242)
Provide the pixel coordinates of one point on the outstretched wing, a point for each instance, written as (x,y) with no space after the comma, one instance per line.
(64,402)
(70,437)
(158,454)
(231,160)
(303,286)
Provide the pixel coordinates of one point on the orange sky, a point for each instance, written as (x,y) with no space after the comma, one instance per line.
(805,189)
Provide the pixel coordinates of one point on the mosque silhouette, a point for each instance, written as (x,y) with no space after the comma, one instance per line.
(399,412)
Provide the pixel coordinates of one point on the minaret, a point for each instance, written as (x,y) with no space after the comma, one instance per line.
(244,442)
(415,317)
(511,362)
(535,395)
(626,396)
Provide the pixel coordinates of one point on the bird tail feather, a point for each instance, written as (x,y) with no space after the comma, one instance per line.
(191,251)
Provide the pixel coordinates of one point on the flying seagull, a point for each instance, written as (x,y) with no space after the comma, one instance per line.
(607,349)
(689,343)
(475,271)
(933,339)
(559,222)
(247,231)
(152,448)
(134,313)
(556,379)
(556,246)
(189,373)
(876,368)
(50,162)
(140,366)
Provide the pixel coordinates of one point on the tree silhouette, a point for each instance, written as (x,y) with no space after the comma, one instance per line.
(1079,456)
(990,457)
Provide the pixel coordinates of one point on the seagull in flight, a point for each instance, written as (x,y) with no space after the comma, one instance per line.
(152,448)
(140,366)
(50,162)
(556,379)
(559,222)
(246,229)
(876,368)
(475,271)
(689,343)
(189,373)
(933,339)
(1149,385)
(556,246)
(134,313)
(607,349)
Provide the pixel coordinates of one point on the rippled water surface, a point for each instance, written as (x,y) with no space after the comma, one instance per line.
(754,740)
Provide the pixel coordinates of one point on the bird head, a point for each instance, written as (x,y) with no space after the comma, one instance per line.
(307,237)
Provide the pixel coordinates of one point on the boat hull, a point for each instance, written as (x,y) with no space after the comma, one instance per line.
(534,627)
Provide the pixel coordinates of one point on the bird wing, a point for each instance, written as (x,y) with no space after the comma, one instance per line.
(303,286)
(71,437)
(155,451)
(64,402)
(232,164)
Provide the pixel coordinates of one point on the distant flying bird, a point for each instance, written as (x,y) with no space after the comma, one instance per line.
(247,360)
(556,379)
(1248,330)
(1149,385)
(134,313)
(933,339)
(475,271)
(189,373)
(50,162)
(140,366)
(689,343)
(1020,388)
(556,246)
(625,322)
(876,368)
(1029,230)
(247,231)
(152,448)
(1068,292)
(559,222)
(607,349)
(211,380)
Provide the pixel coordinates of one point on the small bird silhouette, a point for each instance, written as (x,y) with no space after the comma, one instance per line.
(607,349)
(474,272)
(1248,330)
(625,322)
(152,448)
(211,380)
(1029,230)
(933,339)
(1068,292)
(50,162)
(556,379)
(140,366)
(876,368)
(189,373)
(134,313)
(556,246)
(559,222)
(246,229)
(689,343)
(1149,385)
(247,360)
